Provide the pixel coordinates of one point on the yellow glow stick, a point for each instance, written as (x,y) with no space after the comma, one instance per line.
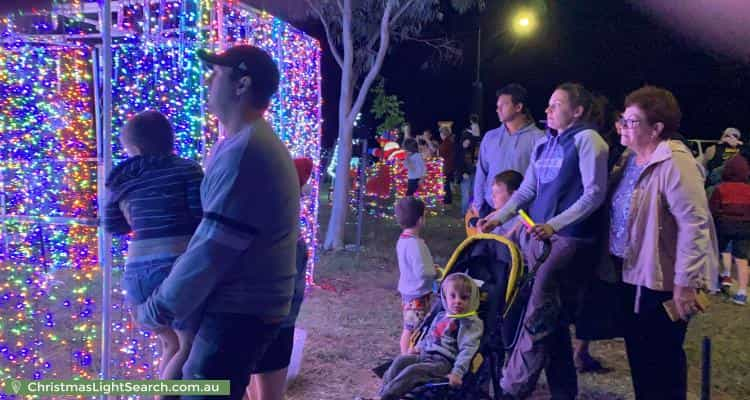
(526,219)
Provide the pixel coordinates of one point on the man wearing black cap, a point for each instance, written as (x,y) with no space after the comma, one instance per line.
(240,264)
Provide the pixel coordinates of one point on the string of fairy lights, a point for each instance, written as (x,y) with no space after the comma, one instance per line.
(51,292)
(381,204)
(47,171)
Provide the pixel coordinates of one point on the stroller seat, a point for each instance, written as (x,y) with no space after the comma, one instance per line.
(495,263)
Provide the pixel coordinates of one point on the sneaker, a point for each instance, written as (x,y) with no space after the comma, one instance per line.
(740,299)
(726,281)
(586,363)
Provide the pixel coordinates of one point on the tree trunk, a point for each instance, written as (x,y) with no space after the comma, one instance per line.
(335,233)
(348,110)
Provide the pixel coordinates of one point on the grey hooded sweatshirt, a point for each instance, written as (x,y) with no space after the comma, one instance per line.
(455,338)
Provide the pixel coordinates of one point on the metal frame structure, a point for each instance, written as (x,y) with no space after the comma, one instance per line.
(108,16)
(104,155)
(102,73)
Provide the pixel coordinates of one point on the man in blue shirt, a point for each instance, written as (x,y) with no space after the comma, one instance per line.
(507,147)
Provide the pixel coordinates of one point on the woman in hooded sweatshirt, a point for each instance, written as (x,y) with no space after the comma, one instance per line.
(562,190)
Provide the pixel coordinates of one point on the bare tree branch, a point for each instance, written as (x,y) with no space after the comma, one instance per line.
(363,31)
(391,23)
(384,41)
(447,49)
(329,38)
(400,12)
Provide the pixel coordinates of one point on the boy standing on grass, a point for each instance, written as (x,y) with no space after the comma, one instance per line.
(417,272)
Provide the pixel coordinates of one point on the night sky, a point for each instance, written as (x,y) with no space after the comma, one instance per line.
(610,46)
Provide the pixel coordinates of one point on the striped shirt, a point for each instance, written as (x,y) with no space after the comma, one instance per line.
(154,196)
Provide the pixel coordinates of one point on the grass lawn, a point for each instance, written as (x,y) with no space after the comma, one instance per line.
(353,321)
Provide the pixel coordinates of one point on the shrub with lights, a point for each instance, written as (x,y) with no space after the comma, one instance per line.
(386,181)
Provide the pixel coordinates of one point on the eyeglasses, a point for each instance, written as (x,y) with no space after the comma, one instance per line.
(629,123)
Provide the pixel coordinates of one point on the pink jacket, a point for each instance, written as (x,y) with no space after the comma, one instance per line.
(671,231)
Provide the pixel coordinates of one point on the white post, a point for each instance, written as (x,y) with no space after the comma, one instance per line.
(104,158)
(2,213)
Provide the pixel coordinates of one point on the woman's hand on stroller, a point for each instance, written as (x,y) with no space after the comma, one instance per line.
(454,380)
(488,223)
(413,350)
(542,231)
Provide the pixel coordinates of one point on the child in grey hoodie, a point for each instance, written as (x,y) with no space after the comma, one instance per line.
(449,346)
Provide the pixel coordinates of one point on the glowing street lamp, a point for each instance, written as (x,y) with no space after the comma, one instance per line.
(524,22)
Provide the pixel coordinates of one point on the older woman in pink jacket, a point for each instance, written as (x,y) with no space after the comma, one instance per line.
(661,236)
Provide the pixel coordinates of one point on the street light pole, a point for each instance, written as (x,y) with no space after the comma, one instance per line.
(479,49)
(478,90)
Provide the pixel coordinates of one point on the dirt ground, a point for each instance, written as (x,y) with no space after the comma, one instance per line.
(352,318)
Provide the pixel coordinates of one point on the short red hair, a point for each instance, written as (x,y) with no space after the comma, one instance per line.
(659,105)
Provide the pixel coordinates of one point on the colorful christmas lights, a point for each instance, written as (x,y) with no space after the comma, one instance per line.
(50,300)
(48,166)
(387,183)
(295,110)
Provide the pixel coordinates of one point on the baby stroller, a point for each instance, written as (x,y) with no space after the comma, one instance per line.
(497,264)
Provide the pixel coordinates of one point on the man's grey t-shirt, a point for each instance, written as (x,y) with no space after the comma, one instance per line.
(242,256)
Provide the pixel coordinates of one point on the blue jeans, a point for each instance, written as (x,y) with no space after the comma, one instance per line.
(228,346)
(466,188)
(141,279)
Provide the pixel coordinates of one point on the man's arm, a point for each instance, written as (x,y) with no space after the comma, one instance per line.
(217,244)
(592,164)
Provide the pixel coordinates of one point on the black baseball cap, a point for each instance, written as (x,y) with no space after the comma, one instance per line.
(248,60)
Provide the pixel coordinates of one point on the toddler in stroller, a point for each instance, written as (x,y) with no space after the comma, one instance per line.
(496,265)
(446,348)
